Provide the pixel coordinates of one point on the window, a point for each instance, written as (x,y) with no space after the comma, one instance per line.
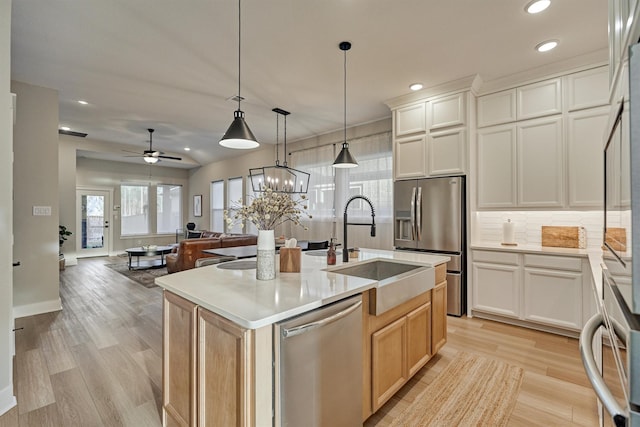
(234,199)
(134,206)
(217,206)
(250,227)
(168,208)
(329,189)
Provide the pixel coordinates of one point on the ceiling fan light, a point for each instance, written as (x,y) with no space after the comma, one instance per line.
(239,136)
(150,159)
(345,159)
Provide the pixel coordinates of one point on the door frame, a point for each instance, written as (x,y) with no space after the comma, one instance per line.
(108,216)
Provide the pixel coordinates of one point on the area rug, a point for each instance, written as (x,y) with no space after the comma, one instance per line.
(470,391)
(144,277)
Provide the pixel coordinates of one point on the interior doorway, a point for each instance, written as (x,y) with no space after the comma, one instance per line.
(93,209)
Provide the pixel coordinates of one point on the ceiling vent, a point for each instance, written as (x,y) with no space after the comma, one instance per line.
(72,133)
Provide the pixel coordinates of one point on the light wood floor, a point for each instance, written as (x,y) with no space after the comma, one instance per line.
(98,362)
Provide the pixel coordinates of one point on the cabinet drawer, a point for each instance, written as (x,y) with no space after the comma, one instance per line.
(496,257)
(555,262)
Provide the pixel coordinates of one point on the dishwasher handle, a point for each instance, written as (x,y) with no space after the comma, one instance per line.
(588,360)
(298,330)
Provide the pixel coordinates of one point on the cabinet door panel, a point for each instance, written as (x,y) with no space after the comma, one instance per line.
(497,108)
(496,288)
(410,157)
(540,163)
(439,316)
(388,361)
(447,152)
(411,119)
(539,99)
(496,167)
(178,361)
(553,297)
(585,139)
(419,337)
(447,111)
(222,367)
(587,89)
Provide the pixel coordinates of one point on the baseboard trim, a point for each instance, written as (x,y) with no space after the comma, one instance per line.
(7,399)
(70,261)
(37,308)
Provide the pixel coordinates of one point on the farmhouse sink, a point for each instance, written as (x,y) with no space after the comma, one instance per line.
(398,281)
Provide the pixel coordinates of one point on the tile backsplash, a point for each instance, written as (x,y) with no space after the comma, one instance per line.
(487,225)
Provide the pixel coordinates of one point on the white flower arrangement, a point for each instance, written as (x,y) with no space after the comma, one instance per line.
(269,210)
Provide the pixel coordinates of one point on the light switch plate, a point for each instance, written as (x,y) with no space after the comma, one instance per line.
(42,211)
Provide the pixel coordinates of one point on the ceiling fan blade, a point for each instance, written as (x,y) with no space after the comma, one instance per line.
(134,152)
(170,157)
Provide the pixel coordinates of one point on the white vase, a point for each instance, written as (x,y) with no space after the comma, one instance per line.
(266,255)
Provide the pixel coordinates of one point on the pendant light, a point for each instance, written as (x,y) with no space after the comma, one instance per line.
(239,136)
(279,178)
(345,159)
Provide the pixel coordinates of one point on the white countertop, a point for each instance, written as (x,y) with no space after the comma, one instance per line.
(492,246)
(238,296)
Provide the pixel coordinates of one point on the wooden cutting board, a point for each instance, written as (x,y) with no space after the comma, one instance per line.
(616,238)
(561,237)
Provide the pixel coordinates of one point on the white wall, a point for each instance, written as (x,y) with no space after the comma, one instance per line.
(36,287)
(7,399)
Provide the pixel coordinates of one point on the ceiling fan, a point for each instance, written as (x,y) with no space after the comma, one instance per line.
(152,156)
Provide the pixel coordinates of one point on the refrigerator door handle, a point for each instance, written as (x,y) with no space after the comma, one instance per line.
(419,215)
(591,368)
(413,213)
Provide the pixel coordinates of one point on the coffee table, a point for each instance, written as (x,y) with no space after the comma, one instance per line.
(149,263)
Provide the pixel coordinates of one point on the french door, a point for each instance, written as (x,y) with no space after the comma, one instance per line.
(92,210)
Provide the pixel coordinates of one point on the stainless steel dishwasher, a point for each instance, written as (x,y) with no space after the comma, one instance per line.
(318,367)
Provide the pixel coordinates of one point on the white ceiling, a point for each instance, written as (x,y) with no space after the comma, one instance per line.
(171,65)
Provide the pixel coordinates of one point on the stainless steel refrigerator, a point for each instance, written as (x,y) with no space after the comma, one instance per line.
(429,215)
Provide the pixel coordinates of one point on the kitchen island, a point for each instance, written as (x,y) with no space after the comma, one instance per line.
(218,350)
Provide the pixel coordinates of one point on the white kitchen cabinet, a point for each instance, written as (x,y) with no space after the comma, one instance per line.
(496,156)
(539,99)
(553,290)
(588,89)
(531,289)
(447,111)
(585,143)
(496,283)
(447,152)
(410,119)
(497,108)
(410,157)
(540,163)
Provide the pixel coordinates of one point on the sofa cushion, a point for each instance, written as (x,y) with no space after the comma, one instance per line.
(190,250)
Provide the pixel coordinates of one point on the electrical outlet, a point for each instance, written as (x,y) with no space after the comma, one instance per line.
(42,211)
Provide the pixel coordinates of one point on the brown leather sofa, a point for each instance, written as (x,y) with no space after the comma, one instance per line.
(188,251)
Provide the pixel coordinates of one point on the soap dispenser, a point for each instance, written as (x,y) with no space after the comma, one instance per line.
(331,253)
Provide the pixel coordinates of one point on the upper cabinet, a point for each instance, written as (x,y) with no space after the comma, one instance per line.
(540,145)
(497,108)
(430,137)
(539,99)
(410,120)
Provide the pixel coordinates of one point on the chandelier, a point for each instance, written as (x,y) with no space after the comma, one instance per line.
(279,177)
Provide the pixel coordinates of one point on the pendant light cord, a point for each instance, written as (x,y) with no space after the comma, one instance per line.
(277,139)
(239,45)
(345,96)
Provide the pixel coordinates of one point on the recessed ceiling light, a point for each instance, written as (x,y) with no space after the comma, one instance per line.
(416,86)
(83,102)
(187,149)
(65,128)
(537,6)
(547,46)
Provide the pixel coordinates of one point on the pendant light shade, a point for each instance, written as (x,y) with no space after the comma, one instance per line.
(345,159)
(239,136)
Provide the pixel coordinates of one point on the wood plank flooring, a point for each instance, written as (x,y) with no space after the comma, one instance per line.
(98,361)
